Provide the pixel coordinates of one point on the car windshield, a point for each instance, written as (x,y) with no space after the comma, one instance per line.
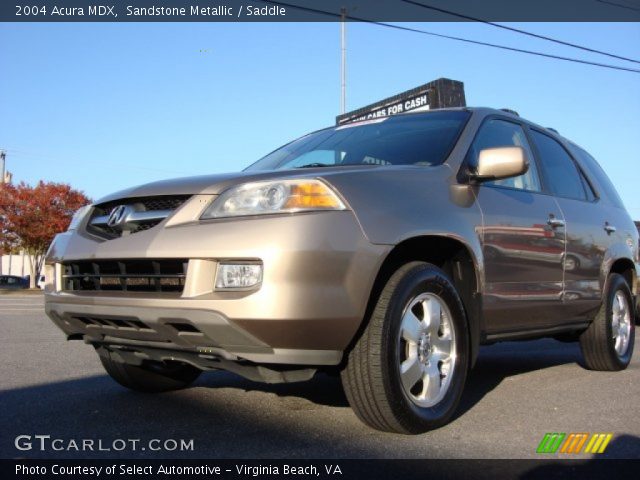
(416,139)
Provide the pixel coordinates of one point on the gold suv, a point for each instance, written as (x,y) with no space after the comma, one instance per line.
(388,250)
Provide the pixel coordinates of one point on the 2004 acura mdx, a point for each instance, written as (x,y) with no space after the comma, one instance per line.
(388,250)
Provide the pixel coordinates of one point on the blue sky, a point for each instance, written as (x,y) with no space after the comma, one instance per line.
(106,106)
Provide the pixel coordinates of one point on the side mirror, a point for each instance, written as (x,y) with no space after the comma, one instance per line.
(500,162)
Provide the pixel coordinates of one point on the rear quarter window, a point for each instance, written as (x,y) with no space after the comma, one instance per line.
(597,175)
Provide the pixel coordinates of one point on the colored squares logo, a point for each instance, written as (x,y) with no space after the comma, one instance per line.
(550,443)
(598,443)
(574,443)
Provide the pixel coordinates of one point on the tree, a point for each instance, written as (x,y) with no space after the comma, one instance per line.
(31,216)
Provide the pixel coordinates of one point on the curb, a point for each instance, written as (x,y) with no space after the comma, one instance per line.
(22,291)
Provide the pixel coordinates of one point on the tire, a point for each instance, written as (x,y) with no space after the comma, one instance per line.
(571,263)
(601,348)
(372,378)
(151,377)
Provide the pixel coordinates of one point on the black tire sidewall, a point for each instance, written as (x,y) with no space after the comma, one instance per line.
(576,263)
(616,284)
(423,279)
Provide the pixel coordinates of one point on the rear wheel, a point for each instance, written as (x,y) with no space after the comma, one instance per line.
(571,263)
(608,342)
(407,371)
(150,376)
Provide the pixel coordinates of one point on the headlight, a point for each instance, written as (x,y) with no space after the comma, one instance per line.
(78,216)
(285,196)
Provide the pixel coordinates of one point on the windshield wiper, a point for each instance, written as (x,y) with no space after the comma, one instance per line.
(317,164)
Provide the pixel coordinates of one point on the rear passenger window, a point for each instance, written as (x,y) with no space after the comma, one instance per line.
(597,174)
(560,173)
(500,133)
(591,196)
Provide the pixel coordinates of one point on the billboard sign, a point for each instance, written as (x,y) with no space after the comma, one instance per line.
(440,93)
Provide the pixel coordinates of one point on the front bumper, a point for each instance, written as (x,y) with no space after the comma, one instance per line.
(318,273)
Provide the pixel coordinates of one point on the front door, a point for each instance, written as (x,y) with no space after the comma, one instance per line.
(523,241)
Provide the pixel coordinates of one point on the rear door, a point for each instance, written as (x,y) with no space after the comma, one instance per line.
(587,224)
(523,240)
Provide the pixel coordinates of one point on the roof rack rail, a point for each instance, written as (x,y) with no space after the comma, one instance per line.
(553,130)
(512,112)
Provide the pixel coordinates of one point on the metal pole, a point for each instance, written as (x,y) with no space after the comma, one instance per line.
(343,72)
(2,160)
(3,155)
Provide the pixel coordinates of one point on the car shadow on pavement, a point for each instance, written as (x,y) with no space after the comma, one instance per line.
(283,420)
(495,363)
(215,413)
(503,360)
(322,389)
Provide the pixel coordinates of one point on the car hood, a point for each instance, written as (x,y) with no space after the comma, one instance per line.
(216,184)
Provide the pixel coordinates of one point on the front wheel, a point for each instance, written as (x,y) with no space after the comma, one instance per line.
(608,342)
(407,370)
(571,263)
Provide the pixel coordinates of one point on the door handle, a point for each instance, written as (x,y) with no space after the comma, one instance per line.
(609,228)
(554,222)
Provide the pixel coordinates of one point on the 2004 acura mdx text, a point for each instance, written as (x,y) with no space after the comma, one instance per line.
(387,250)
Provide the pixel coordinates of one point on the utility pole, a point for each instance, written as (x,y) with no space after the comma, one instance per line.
(3,157)
(343,70)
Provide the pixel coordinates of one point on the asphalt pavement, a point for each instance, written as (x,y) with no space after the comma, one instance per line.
(518,392)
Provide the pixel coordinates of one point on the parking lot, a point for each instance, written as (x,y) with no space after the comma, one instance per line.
(516,394)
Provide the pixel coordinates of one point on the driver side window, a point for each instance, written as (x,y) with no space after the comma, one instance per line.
(501,133)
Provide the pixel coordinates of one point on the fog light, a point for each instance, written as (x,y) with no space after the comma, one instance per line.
(238,275)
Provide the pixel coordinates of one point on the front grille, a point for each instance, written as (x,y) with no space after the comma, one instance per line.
(146,213)
(165,275)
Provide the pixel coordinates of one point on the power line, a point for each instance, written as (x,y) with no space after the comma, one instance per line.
(459,39)
(619,5)
(523,32)
(513,49)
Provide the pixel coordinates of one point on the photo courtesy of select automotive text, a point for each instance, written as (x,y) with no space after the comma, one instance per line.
(336,239)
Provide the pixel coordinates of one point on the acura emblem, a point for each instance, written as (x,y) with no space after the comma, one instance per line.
(119,216)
